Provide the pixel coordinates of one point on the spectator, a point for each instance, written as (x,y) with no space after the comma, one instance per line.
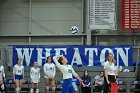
(86,88)
(99,81)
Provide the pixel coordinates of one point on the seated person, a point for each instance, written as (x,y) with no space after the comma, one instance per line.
(99,81)
(85,87)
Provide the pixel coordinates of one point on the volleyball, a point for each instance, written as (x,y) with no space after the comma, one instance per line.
(74,29)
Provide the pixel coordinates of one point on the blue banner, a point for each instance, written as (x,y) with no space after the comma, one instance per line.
(76,55)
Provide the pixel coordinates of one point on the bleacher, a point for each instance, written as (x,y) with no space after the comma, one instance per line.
(125,77)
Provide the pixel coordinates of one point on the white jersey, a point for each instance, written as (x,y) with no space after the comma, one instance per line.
(49,70)
(18,70)
(2,74)
(66,70)
(35,74)
(110,67)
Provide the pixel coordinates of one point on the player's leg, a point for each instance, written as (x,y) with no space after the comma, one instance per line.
(20,83)
(37,87)
(32,87)
(17,86)
(1,82)
(53,85)
(47,84)
(65,86)
(2,87)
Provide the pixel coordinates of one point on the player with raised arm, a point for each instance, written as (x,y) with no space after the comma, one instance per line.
(68,72)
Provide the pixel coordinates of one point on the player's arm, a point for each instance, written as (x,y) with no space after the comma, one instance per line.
(76,75)
(14,72)
(23,73)
(45,69)
(31,73)
(39,72)
(3,74)
(54,71)
(55,58)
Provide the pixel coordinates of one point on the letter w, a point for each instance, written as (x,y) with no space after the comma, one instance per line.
(25,53)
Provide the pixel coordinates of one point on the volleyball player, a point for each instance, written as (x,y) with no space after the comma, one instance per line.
(2,78)
(35,78)
(49,74)
(110,74)
(68,72)
(18,75)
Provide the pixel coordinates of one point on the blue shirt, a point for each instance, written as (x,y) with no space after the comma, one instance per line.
(86,81)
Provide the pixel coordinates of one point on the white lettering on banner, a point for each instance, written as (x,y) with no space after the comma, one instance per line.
(48,52)
(124,57)
(91,54)
(58,51)
(25,54)
(40,56)
(76,57)
(102,55)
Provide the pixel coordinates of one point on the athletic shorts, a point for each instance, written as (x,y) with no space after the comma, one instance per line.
(18,77)
(46,76)
(35,80)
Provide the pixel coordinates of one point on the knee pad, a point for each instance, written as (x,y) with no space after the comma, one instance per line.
(32,90)
(47,87)
(17,89)
(53,88)
(37,90)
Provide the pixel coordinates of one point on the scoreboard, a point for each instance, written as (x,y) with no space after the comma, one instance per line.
(131,14)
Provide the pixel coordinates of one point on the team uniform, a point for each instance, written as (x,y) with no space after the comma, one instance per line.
(2,74)
(35,75)
(49,70)
(68,72)
(18,71)
(111,72)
